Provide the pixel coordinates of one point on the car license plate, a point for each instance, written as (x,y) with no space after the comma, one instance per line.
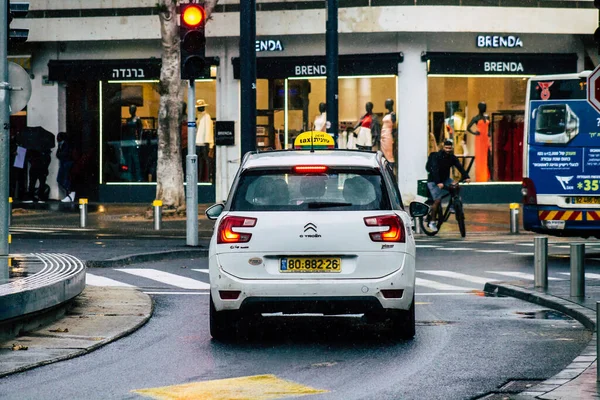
(587,200)
(555,224)
(310,264)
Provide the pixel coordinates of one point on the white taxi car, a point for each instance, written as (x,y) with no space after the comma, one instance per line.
(319,231)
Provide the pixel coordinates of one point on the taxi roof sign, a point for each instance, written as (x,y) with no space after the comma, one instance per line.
(314,140)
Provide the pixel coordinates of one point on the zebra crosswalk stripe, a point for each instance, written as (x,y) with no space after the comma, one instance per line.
(441,286)
(205,270)
(166,277)
(457,275)
(588,275)
(521,275)
(95,280)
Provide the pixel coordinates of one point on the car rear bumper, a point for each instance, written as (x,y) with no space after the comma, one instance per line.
(328,296)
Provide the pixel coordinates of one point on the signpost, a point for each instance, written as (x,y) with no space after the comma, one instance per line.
(593,88)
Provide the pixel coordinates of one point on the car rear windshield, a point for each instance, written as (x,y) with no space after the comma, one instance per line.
(335,190)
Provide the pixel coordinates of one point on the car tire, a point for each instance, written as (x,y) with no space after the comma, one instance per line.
(402,322)
(223,324)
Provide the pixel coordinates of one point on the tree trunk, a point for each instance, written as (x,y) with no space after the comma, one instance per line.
(169,171)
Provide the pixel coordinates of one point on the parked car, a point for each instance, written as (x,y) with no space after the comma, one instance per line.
(313,232)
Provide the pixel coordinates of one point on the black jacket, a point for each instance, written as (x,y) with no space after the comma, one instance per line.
(439,164)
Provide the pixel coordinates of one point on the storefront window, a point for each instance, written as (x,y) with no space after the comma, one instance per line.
(454,104)
(288,107)
(129,131)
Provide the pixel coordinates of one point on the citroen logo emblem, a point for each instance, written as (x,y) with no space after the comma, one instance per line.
(310,226)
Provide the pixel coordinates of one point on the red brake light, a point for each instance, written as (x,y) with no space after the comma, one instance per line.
(528,191)
(226,234)
(310,169)
(395,232)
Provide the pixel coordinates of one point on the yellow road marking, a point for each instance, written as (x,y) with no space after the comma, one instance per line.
(258,387)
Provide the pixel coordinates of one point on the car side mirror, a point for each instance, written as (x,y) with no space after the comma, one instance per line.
(214,211)
(418,209)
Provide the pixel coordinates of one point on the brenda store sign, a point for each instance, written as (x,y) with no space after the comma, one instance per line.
(268,45)
(499,41)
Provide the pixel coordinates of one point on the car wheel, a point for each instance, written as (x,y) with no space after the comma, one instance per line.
(223,324)
(402,322)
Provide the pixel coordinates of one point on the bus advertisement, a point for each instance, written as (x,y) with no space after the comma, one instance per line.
(561,182)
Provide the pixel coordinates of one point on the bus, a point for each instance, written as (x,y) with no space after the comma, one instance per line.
(561,157)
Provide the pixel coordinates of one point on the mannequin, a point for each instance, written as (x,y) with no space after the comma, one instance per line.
(387,129)
(366,129)
(320,123)
(132,131)
(482,143)
(204,142)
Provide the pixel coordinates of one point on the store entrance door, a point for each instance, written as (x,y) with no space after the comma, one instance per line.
(83,127)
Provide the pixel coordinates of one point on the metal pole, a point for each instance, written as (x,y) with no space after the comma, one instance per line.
(597,341)
(417,222)
(191,171)
(332,68)
(514,217)
(10,201)
(83,211)
(540,262)
(157,204)
(577,270)
(248,75)
(5,126)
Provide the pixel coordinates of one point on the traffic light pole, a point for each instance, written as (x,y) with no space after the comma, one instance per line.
(5,130)
(191,171)
(248,75)
(331,48)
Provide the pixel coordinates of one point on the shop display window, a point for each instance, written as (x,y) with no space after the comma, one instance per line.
(455,105)
(288,107)
(129,115)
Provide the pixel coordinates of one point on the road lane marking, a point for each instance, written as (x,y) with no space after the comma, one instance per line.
(493,251)
(455,249)
(166,277)
(258,387)
(522,254)
(426,246)
(457,275)
(520,275)
(95,280)
(440,286)
(205,270)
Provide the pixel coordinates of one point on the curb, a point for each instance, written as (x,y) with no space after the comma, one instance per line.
(79,352)
(146,257)
(582,314)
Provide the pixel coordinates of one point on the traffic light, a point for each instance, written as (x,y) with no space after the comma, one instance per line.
(17,9)
(192,40)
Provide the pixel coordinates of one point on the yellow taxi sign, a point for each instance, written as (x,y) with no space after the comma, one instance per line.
(314,140)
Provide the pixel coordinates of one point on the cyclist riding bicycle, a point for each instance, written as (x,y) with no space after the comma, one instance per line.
(438,168)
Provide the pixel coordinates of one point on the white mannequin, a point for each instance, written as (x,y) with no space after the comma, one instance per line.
(320,123)
(205,132)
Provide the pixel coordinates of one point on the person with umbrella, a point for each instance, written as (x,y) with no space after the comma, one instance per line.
(39,143)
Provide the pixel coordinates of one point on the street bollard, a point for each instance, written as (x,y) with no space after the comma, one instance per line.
(577,270)
(540,262)
(514,218)
(83,208)
(10,201)
(597,341)
(157,204)
(417,224)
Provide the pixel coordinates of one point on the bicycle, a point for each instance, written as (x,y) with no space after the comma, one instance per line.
(443,215)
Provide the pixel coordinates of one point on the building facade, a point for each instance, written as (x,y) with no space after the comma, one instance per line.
(91,63)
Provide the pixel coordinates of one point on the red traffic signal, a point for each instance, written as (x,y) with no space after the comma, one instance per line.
(192,41)
(192,15)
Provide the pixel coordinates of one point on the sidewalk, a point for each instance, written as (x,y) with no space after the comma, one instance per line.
(118,234)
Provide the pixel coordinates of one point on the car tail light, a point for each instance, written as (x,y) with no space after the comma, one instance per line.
(226,233)
(528,191)
(395,232)
(310,169)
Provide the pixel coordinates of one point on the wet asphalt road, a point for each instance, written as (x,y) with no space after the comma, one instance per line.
(466,345)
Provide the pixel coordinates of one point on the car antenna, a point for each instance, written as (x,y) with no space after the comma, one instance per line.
(312,141)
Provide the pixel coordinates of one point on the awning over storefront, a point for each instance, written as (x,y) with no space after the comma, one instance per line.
(499,63)
(349,65)
(104,70)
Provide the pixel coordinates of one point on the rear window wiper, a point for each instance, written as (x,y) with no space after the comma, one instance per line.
(325,204)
